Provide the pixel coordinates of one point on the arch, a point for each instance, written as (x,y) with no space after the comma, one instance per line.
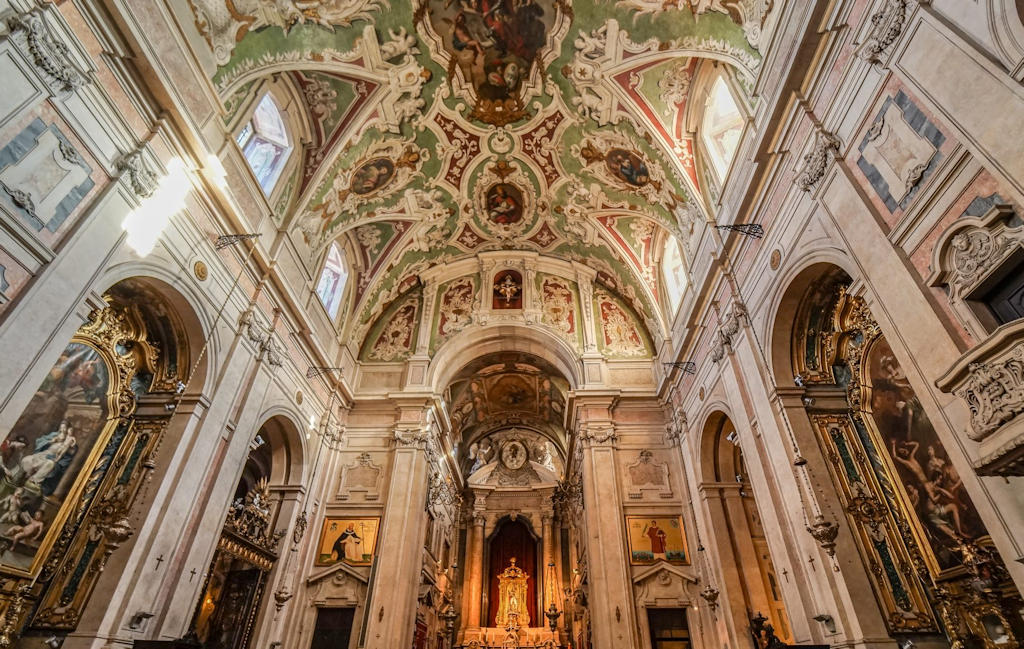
(736,528)
(288,445)
(476,341)
(180,296)
(782,321)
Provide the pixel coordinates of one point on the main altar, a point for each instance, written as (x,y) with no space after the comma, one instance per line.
(512,585)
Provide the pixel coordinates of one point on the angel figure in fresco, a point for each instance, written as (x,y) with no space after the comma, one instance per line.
(658,538)
(11,452)
(29,530)
(347,546)
(10,506)
(52,455)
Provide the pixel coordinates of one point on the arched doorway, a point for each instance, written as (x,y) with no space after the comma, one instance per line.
(233,592)
(930,560)
(738,529)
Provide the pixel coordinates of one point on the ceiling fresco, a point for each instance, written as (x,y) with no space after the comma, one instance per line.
(446,128)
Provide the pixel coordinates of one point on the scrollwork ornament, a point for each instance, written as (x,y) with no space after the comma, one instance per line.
(887,25)
(826,147)
(994,392)
(301,522)
(50,54)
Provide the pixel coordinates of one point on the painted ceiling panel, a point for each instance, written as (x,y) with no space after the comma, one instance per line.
(546,126)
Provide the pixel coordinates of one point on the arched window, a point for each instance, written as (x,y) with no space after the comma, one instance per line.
(332,281)
(673,272)
(264,143)
(723,124)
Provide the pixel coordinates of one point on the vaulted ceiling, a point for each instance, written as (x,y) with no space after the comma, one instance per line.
(439,129)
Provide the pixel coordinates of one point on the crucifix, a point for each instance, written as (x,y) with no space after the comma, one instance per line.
(785,573)
(159,560)
(192,575)
(810,560)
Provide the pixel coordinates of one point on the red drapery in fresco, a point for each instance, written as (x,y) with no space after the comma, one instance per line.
(513,540)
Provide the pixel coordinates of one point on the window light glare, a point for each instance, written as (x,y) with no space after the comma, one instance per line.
(147,222)
(218,174)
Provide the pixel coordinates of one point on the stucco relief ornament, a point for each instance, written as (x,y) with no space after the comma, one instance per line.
(396,339)
(613,159)
(384,169)
(887,25)
(749,14)
(456,308)
(826,147)
(33,35)
(504,203)
(975,252)
(223,24)
(994,392)
(558,307)
(600,54)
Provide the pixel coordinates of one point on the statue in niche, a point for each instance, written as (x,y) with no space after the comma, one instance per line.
(512,585)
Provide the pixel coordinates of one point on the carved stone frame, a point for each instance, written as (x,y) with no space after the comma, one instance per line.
(970,257)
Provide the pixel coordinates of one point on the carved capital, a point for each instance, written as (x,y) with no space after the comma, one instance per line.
(598,435)
(411,438)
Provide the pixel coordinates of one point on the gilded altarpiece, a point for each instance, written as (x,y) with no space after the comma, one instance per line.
(928,554)
(73,465)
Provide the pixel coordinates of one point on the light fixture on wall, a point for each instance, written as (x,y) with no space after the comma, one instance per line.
(147,222)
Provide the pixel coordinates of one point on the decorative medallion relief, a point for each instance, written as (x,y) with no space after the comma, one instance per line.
(647,475)
(43,177)
(361,480)
(899,150)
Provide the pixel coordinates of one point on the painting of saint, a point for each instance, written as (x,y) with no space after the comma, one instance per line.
(495,44)
(504,204)
(352,540)
(371,176)
(931,484)
(45,451)
(656,538)
(628,167)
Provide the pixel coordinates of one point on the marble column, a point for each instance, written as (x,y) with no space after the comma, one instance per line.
(400,550)
(611,603)
(475,561)
(548,541)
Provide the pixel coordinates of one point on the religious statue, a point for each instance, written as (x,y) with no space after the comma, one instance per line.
(512,591)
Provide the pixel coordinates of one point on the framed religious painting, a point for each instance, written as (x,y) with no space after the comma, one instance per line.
(656,538)
(51,449)
(352,540)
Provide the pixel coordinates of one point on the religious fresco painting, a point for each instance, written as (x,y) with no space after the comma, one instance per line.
(656,538)
(372,175)
(558,306)
(395,340)
(47,449)
(930,483)
(495,45)
(352,540)
(504,204)
(619,333)
(628,167)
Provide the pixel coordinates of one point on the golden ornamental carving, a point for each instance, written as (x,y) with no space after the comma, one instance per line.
(250,518)
(512,593)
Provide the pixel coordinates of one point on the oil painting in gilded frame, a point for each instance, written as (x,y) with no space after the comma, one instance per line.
(47,456)
(352,540)
(929,485)
(656,538)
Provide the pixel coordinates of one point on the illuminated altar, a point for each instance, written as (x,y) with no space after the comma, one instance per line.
(512,595)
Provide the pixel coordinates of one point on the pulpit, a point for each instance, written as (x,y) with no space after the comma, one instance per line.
(513,591)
